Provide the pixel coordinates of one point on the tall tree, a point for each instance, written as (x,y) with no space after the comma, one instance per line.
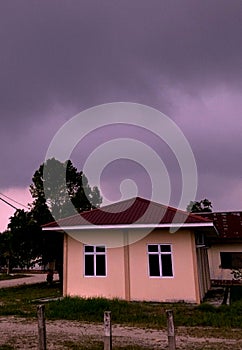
(24,238)
(57,189)
(197,207)
(6,251)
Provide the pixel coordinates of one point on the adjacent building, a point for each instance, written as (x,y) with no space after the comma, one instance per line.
(225,252)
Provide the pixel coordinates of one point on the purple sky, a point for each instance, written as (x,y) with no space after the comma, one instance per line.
(183,58)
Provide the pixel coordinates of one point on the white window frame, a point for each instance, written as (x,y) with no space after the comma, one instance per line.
(160,253)
(95,254)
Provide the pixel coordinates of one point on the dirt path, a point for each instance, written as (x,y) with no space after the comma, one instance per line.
(31,279)
(23,334)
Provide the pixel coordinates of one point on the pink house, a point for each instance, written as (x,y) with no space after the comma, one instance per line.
(136,250)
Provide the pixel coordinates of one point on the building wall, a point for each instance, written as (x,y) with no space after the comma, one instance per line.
(183,286)
(111,286)
(127,269)
(216,272)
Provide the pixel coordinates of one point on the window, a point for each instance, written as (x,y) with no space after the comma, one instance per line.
(95,260)
(160,260)
(200,239)
(231,260)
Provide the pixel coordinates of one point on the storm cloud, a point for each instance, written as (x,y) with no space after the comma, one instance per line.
(183,58)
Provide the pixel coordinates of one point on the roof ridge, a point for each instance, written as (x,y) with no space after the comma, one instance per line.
(133,200)
(176,209)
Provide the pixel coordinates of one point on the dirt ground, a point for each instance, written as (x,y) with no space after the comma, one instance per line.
(23,334)
(31,279)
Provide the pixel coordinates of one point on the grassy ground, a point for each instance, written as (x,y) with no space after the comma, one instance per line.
(19,300)
(235,293)
(22,301)
(146,314)
(201,321)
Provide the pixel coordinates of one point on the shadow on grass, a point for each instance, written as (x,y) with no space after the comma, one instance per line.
(6,347)
(235,294)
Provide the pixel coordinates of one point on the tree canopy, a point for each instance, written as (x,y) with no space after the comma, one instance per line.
(197,207)
(25,238)
(58,190)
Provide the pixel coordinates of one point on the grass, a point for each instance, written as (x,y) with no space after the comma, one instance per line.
(201,321)
(123,312)
(235,293)
(22,301)
(19,300)
(144,314)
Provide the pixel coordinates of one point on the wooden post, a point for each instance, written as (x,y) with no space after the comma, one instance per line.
(8,266)
(170,330)
(226,294)
(107,331)
(41,327)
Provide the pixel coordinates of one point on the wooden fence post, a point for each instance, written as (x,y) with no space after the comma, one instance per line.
(41,327)
(170,330)
(226,295)
(107,331)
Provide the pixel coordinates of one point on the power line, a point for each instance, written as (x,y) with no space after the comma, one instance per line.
(8,203)
(12,200)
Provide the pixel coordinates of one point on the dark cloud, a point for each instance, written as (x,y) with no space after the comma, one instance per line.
(59,57)
(89,52)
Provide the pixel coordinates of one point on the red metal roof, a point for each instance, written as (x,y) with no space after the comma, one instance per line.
(228,224)
(132,211)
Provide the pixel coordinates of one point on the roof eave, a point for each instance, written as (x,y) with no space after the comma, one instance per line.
(128,226)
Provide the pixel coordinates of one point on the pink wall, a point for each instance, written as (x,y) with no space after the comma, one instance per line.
(131,280)
(111,286)
(182,286)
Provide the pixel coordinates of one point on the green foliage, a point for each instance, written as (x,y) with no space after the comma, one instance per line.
(197,207)
(6,251)
(25,238)
(207,307)
(58,189)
